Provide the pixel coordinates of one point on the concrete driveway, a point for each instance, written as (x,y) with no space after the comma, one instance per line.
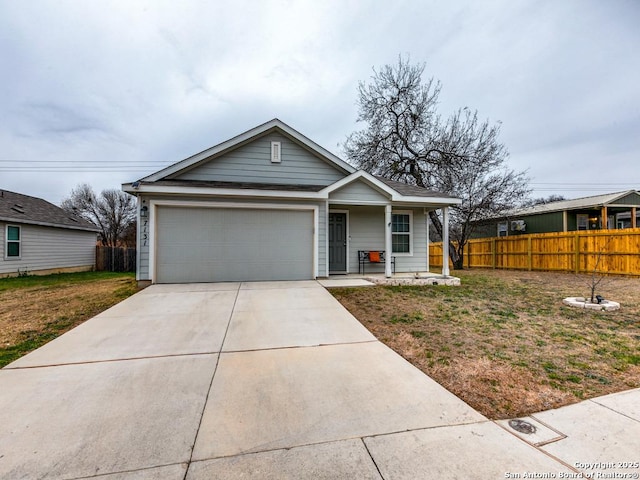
(255,380)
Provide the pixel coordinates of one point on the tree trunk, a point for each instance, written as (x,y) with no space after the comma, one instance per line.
(458,263)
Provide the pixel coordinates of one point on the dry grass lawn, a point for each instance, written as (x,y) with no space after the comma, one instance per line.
(504,342)
(34,310)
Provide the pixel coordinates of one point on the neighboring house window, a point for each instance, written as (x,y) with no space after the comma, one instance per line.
(502,229)
(583,221)
(401,234)
(12,247)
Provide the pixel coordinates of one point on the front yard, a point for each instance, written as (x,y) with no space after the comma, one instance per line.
(503,341)
(34,310)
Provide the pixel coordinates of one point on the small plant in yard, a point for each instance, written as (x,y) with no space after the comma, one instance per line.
(597,277)
(24,273)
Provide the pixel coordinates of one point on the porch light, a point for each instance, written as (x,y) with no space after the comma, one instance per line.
(143,211)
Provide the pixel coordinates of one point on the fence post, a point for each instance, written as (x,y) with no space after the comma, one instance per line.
(493,253)
(576,248)
(529,253)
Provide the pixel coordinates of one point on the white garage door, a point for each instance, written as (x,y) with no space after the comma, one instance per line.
(233,244)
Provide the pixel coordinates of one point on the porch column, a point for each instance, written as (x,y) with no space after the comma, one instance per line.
(633,217)
(445,241)
(387,241)
(605,218)
(426,222)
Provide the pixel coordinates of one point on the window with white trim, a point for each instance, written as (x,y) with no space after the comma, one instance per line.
(503,229)
(402,233)
(12,246)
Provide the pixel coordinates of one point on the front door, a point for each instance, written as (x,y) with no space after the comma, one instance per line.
(337,242)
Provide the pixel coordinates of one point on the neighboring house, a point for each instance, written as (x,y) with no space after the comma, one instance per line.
(39,237)
(270,204)
(608,211)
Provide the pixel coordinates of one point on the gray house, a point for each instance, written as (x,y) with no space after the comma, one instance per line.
(270,204)
(39,237)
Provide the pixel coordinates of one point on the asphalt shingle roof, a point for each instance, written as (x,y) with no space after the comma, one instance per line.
(401,188)
(19,208)
(412,190)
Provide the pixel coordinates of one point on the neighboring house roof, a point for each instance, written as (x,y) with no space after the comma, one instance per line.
(19,208)
(244,138)
(595,201)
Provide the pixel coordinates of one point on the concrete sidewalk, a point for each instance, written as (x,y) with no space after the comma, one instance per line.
(268,380)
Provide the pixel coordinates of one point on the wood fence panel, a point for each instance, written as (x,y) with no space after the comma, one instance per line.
(115,259)
(615,252)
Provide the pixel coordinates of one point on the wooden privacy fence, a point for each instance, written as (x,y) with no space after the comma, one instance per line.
(115,259)
(614,252)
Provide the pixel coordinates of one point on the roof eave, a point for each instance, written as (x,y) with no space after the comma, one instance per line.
(217,192)
(437,202)
(48,224)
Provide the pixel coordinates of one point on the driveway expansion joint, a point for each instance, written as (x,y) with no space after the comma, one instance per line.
(215,369)
(98,476)
(595,400)
(110,360)
(296,347)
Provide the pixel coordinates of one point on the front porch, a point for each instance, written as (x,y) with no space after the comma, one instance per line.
(403,278)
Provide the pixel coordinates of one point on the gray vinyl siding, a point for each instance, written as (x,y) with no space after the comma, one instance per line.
(46,248)
(251,163)
(143,243)
(322,241)
(358,192)
(366,232)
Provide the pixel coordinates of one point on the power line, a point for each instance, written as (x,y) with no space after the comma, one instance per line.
(153,162)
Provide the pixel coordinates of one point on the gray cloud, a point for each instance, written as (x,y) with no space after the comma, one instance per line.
(130,83)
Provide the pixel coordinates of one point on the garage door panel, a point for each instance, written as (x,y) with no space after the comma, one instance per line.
(233,244)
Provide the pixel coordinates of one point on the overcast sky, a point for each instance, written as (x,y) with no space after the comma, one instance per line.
(108,92)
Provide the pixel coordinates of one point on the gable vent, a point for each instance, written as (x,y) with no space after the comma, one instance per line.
(275,152)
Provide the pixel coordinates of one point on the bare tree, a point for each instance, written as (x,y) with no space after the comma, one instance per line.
(406,139)
(544,200)
(113,211)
